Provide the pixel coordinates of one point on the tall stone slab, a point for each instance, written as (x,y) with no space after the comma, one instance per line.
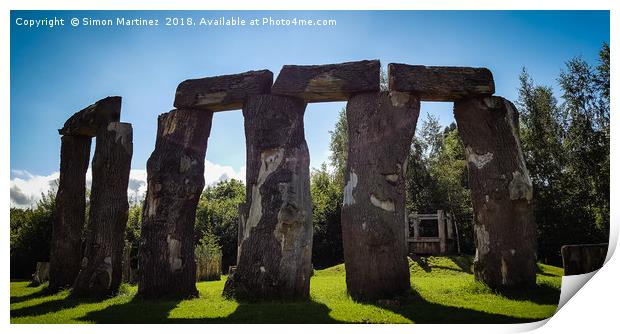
(275,252)
(70,212)
(380,131)
(501,191)
(175,181)
(101,266)
(582,259)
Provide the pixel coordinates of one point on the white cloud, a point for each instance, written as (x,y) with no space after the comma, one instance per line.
(26,188)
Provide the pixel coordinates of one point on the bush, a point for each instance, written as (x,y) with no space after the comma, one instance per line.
(31,234)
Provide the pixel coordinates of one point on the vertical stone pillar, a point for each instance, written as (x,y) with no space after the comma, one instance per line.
(101,266)
(276,246)
(441,229)
(381,127)
(66,244)
(175,181)
(501,190)
(416,226)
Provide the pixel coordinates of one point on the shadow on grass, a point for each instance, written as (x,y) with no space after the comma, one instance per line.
(278,313)
(417,309)
(136,311)
(542,294)
(142,311)
(44,292)
(464,263)
(51,306)
(422,261)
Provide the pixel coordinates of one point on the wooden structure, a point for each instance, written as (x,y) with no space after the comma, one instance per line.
(91,266)
(433,234)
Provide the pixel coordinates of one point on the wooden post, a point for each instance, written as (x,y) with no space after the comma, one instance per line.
(501,191)
(70,212)
(175,182)
(449,226)
(416,226)
(406,228)
(380,130)
(276,248)
(441,228)
(101,269)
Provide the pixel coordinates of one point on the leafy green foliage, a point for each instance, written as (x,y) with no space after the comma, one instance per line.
(339,146)
(132,233)
(208,256)
(218,215)
(436,177)
(326,201)
(566,146)
(31,231)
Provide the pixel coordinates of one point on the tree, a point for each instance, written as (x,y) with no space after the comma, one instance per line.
(218,214)
(338,145)
(450,176)
(437,177)
(586,145)
(31,231)
(566,146)
(326,201)
(132,234)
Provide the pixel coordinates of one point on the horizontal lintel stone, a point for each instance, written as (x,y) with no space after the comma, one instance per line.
(224,92)
(87,121)
(441,83)
(325,83)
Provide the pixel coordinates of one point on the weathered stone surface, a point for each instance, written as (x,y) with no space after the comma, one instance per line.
(87,121)
(582,259)
(70,211)
(440,83)
(380,131)
(42,273)
(501,191)
(101,266)
(333,82)
(225,92)
(175,181)
(274,260)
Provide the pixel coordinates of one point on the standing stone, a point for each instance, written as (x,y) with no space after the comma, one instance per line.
(275,254)
(175,181)
(42,273)
(581,259)
(101,268)
(380,130)
(501,191)
(70,212)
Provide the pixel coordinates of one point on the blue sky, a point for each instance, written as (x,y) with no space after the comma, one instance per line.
(58,71)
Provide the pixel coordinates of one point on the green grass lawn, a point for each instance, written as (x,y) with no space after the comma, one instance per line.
(444,291)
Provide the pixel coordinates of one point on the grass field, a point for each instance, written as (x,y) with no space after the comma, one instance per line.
(444,291)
